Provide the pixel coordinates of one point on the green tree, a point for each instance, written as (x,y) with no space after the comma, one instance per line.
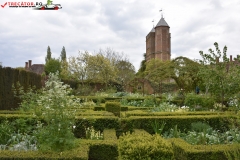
(185,73)
(220,76)
(125,72)
(99,69)
(158,71)
(63,54)
(142,68)
(49,54)
(52,66)
(78,66)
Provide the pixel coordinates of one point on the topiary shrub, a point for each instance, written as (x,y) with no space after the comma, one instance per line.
(113,107)
(142,146)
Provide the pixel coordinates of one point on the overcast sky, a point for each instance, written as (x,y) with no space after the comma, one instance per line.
(121,25)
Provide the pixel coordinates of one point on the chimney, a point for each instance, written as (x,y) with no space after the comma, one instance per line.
(26,65)
(230,58)
(29,63)
(217,59)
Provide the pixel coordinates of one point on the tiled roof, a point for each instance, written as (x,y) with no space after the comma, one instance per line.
(162,22)
(37,68)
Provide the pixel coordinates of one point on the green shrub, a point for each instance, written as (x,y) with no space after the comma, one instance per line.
(106,150)
(113,107)
(194,101)
(142,146)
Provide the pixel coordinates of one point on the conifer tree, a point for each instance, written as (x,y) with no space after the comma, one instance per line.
(63,54)
(49,54)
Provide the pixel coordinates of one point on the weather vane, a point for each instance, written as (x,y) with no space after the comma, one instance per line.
(161,12)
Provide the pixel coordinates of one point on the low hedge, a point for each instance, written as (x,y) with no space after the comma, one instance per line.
(185,151)
(141,146)
(99,108)
(113,107)
(99,123)
(145,113)
(124,108)
(103,150)
(219,122)
(109,134)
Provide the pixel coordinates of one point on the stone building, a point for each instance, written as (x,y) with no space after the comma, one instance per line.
(158,42)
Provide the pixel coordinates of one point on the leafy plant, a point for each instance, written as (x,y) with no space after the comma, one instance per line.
(157,129)
(54,105)
(22,142)
(6,129)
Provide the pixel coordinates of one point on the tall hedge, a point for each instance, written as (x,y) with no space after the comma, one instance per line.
(10,76)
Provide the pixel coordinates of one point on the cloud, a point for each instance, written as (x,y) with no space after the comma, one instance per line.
(119,24)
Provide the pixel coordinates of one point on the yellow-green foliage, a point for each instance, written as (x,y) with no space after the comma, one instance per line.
(185,151)
(143,146)
(113,107)
(109,134)
(147,113)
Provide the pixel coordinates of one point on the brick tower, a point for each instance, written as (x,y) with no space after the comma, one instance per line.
(158,42)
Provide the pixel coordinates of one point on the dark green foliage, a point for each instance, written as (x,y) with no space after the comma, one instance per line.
(103,151)
(49,54)
(52,66)
(185,151)
(124,108)
(218,122)
(10,77)
(73,84)
(113,107)
(63,54)
(99,108)
(195,101)
(99,124)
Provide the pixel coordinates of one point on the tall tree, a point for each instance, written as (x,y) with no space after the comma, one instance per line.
(49,54)
(63,54)
(220,75)
(185,73)
(125,72)
(52,66)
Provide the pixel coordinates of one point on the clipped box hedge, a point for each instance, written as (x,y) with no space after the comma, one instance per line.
(142,146)
(103,150)
(113,107)
(148,113)
(99,123)
(183,122)
(185,151)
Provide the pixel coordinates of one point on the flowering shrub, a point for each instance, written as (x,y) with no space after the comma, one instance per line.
(54,105)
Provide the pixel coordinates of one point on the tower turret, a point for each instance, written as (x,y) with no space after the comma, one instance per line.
(162,40)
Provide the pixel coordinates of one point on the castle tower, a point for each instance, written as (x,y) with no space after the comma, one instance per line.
(158,42)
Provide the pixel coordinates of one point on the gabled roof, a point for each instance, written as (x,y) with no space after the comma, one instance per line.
(162,22)
(37,68)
